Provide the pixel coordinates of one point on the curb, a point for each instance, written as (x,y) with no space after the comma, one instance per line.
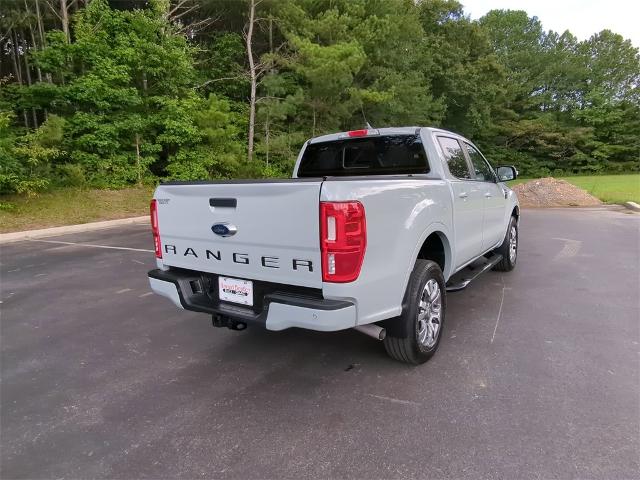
(632,206)
(83,227)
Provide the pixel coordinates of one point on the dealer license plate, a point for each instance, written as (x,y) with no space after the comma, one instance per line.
(235,290)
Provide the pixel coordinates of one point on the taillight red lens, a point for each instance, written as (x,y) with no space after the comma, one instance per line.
(358,133)
(155,229)
(343,240)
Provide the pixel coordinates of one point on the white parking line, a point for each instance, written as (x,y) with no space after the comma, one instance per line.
(55,249)
(394,400)
(94,246)
(123,290)
(145,294)
(495,329)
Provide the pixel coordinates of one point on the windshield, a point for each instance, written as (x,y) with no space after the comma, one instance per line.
(380,155)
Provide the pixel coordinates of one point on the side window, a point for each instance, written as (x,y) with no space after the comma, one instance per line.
(481,169)
(455,157)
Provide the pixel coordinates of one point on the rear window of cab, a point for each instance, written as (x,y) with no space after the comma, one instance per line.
(379,155)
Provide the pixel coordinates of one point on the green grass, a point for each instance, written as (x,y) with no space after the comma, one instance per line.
(71,206)
(608,188)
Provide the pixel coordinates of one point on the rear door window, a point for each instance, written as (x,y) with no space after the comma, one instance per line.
(454,157)
(379,155)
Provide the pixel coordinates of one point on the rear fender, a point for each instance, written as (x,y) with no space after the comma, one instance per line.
(394,327)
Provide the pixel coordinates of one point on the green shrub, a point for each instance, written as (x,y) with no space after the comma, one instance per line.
(71,175)
(7,206)
(26,186)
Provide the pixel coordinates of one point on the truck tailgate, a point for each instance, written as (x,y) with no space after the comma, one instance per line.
(276,227)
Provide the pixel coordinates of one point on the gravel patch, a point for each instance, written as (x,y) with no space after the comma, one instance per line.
(551,192)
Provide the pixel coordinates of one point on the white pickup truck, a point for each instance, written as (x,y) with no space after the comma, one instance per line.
(372,230)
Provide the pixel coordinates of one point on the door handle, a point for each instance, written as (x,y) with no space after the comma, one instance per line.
(463,195)
(487,195)
(223,202)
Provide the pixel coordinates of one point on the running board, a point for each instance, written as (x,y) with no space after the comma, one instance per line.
(464,277)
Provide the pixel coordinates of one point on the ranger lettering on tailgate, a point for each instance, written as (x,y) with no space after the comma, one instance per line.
(266,261)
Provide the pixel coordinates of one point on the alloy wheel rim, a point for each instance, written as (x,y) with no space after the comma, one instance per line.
(513,244)
(429,314)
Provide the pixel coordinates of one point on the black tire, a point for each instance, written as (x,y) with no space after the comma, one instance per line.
(407,347)
(508,262)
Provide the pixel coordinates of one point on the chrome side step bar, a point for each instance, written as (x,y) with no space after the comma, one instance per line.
(464,277)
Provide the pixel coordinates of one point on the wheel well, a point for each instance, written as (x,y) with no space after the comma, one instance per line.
(515,212)
(433,248)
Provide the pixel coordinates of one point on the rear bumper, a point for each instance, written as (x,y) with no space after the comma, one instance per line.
(277,310)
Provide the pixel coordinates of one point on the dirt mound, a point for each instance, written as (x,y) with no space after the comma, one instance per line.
(550,192)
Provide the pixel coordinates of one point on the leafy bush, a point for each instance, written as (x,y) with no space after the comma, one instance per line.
(7,206)
(71,175)
(27,160)
(13,183)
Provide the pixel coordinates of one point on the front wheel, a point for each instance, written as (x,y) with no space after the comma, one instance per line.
(422,316)
(509,248)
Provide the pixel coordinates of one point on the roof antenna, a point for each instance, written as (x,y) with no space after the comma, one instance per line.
(367,125)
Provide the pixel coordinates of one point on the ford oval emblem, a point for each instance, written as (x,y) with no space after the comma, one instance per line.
(224,229)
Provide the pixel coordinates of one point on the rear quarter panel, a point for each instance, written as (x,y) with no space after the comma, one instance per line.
(400,213)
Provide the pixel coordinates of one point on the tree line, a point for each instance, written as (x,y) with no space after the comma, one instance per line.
(114,93)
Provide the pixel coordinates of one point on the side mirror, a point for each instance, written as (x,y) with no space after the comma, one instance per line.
(506,173)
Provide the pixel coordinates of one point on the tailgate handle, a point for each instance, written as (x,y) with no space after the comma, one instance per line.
(223,202)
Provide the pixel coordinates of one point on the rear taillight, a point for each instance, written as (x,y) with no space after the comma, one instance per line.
(155,229)
(343,240)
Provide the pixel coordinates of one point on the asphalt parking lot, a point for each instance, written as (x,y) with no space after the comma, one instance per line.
(537,376)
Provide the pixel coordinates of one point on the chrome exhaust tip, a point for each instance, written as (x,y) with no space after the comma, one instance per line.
(372,330)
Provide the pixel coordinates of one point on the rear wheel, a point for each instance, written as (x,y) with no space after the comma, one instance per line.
(509,248)
(423,315)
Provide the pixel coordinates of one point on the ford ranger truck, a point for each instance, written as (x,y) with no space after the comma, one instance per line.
(371,231)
